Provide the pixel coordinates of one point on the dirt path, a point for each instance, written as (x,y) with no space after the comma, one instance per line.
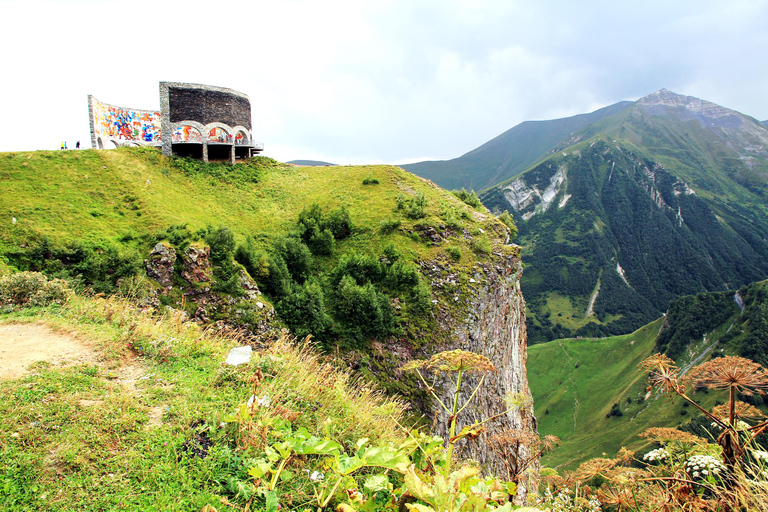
(24,344)
(21,345)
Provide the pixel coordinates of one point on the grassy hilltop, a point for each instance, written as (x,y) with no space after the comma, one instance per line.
(314,239)
(148,415)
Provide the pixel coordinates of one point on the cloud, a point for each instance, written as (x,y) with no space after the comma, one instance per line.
(394,80)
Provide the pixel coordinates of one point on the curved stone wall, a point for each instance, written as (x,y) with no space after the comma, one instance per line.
(193,117)
(113,126)
(221,116)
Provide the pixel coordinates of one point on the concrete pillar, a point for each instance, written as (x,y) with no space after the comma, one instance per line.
(232,154)
(205,152)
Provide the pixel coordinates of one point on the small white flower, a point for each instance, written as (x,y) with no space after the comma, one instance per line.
(317,476)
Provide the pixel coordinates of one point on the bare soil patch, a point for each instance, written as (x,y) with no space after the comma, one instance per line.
(24,344)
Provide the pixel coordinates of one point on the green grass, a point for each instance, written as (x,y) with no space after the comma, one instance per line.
(575,382)
(103,195)
(58,452)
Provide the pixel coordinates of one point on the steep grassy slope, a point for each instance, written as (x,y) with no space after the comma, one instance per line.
(575,389)
(663,199)
(94,216)
(156,429)
(508,154)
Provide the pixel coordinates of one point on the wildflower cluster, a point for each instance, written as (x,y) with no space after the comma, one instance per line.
(700,466)
(656,455)
(259,401)
(565,500)
(760,455)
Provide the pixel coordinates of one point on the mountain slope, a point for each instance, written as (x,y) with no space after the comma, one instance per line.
(663,199)
(508,154)
(575,391)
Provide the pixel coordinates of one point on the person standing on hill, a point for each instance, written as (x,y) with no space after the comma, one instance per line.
(65,144)
(62,145)
(77,146)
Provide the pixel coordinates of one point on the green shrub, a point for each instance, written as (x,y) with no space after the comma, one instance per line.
(451,217)
(413,207)
(319,231)
(402,275)
(297,257)
(32,289)
(363,268)
(222,243)
(454,252)
(339,223)
(481,245)
(421,298)
(506,218)
(370,181)
(254,261)
(391,253)
(178,235)
(362,311)
(468,197)
(303,310)
(387,226)
(277,282)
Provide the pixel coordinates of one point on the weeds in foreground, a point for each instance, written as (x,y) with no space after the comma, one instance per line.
(684,471)
(294,464)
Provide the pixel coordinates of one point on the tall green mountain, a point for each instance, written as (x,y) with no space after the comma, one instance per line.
(664,198)
(508,154)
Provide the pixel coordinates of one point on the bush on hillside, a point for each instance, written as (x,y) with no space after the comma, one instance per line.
(362,311)
(413,207)
(297,257)
(363,268)
(320,231)
(468,197)
(303,310)
(26,289)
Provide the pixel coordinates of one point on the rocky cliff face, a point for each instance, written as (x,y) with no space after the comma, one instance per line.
(491,322)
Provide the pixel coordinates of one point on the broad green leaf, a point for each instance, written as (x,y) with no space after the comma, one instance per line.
(348,465)
(360,442)
(419,508)
(283,448)
(271,501)
(375,483)
(317,446)
(286,475)
(272,454)
(260,469)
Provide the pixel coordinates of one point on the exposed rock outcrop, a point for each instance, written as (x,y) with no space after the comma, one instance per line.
(197,266)
(492,323)
(160,264)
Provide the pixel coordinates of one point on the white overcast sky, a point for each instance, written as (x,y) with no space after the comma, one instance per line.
(391,81)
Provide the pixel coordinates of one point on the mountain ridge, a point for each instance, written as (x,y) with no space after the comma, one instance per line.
(519,148)
(619,194)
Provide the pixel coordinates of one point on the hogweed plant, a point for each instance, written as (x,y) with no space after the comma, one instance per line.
(461,362)
(736,437)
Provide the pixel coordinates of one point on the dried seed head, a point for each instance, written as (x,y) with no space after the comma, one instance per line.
(730,371)
(669,435)
(742,410)
(662,373)
(453,361)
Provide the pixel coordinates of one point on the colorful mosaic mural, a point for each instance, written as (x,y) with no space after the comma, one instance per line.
(186,134)
(112,122)
(219,135)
